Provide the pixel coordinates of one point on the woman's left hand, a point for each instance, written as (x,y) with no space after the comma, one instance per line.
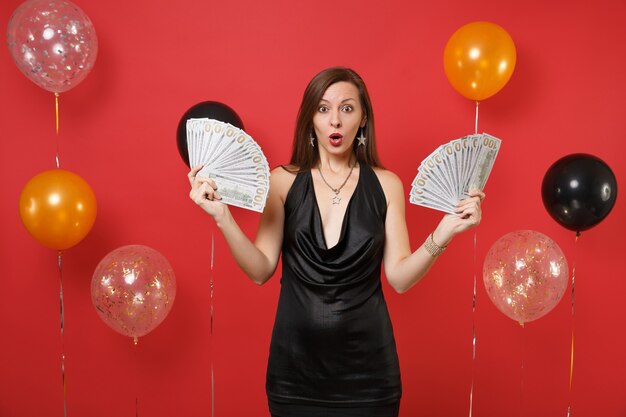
(468,216)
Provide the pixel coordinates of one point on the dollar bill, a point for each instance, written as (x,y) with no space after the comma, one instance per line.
(232,159)
(241,195)
(484,163)
(451,171)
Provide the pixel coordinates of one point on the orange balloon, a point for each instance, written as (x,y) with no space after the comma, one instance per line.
(479,59)
(58,208)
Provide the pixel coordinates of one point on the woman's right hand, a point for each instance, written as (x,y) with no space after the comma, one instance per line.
(204,193)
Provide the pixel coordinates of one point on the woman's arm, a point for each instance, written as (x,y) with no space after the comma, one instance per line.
(257,260)
(403,268)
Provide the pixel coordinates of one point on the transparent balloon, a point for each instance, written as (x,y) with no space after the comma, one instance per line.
(133,289)
(525,274)
(53,42)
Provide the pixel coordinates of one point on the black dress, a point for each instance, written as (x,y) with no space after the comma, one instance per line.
(333,351)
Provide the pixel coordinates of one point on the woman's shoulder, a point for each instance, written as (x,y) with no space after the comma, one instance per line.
(284,173)
(282,178)
(390,183)
(387,178)
(285,169)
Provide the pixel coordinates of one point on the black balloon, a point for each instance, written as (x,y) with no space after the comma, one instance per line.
(579,191)
(209,109)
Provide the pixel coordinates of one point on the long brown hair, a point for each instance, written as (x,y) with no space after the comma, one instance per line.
(304,156)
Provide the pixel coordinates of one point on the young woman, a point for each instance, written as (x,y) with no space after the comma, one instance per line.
(336,216)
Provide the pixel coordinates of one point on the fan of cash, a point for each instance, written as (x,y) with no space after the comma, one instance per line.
(452,170)
(232,159)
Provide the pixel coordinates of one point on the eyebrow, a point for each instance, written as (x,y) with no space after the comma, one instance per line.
(342,101)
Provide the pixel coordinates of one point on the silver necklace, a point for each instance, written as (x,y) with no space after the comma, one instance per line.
(336,198)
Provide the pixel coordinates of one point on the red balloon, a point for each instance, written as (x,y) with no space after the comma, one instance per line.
(58,208)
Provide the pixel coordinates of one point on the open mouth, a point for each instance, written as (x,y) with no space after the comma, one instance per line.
(336,139)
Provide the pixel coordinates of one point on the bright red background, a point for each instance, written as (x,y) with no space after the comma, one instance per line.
(157,59)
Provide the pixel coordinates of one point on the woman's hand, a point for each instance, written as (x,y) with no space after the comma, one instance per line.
(468,216)
(204,193)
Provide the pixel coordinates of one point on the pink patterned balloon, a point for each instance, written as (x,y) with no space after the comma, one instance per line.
(525,275)
(133,289)
(53,43)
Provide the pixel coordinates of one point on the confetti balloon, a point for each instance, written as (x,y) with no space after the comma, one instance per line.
(53,43)
(525,275)
(133,289)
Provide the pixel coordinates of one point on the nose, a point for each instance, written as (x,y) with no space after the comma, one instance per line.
(335,121)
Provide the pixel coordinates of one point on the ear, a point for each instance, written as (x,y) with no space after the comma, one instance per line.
(364,121)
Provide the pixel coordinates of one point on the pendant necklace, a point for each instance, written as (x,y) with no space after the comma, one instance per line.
(336,198)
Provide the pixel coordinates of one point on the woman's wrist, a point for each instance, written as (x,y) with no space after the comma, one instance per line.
(432,247)
(441,238)
(223,218)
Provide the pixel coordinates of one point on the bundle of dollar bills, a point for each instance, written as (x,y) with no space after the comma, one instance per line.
(449,173)
(232,159)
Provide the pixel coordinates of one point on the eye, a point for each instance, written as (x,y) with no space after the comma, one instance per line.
(347,109)
(322,109)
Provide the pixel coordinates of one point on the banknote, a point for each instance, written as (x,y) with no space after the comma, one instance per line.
(242,195)
(232,158)
(484,163)
(453,170)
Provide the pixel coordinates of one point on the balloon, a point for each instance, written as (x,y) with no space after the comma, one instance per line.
(58,208)
(206,109)
(525,275)
(579,191)
(479,59)
(53,43)
(133,289)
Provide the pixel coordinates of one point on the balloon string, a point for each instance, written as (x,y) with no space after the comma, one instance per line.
(471,403)
(56,106)
(60,265)
(571,362)
(521,396)
(211,327)
(476,121)
(135,354)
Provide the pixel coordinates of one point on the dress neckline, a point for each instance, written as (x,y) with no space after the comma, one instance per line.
(320,230)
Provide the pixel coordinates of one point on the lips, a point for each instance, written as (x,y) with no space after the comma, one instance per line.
(336,139)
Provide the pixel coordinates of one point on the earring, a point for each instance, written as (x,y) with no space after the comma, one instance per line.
(312,139)
(362,137)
